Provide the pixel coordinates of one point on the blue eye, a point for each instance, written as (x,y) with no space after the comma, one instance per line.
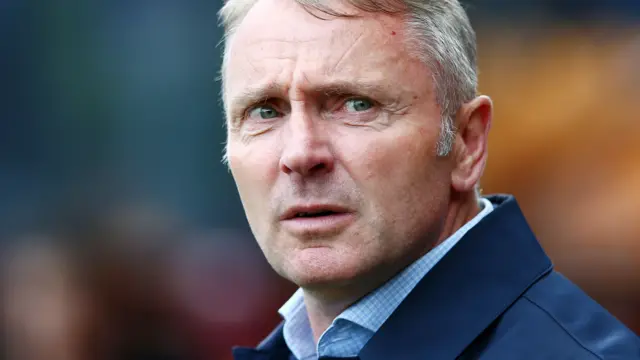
(264,112)
(358,105)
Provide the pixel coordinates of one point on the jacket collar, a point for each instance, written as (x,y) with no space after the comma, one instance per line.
(495,263)
(271,348)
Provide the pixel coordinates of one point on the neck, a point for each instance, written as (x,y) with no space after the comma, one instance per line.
(462,208)
(323,307)
(322,311)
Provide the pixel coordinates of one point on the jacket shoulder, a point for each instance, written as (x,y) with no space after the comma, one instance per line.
(585,323)
(555,319)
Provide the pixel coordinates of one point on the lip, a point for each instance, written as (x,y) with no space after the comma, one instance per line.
(340,218)
(291,212)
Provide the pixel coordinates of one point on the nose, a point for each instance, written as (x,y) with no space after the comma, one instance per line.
(306,150)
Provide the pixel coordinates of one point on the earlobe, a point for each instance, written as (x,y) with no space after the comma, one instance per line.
(474,123)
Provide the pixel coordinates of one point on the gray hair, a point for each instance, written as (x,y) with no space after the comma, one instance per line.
(440,34)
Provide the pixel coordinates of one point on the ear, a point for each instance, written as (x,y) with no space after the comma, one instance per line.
(470,146)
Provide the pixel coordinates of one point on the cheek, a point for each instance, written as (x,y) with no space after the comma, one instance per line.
(399,175)
(385,164)
(254,170)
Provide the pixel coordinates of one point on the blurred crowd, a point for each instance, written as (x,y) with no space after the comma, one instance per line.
(121,234)
(134,285)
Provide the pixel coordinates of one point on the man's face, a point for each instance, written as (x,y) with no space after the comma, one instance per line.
(332,143)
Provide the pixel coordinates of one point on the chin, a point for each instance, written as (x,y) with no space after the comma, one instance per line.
(322,267)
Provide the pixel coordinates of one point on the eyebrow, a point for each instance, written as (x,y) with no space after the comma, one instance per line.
(256,94)
(260,93)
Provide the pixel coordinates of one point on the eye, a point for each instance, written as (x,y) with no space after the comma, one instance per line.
(263,112)
(358,105)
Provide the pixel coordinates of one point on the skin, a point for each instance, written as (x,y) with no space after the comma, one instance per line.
(316,116)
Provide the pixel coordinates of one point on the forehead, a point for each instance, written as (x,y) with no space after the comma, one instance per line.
(288,21)
(279,44)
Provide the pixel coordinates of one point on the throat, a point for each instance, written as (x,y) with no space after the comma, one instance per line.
(322,310)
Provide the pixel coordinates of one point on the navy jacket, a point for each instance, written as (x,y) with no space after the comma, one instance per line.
(494,296)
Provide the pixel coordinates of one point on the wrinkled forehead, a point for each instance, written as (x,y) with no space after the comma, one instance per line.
(278,33)
(280,27)
(300,15)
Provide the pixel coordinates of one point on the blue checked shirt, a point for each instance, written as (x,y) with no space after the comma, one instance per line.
(351,330)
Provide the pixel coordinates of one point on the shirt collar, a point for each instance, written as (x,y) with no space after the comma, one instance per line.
(297,330)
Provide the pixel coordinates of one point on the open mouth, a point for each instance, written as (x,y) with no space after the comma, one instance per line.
(317,219)
(315,214)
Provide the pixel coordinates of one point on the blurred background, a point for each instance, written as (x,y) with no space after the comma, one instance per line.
(122,234)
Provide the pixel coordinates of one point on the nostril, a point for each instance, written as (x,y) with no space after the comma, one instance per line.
(317,168)
(306,171)
(307,160)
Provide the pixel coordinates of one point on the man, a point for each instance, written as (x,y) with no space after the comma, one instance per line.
(356,140)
